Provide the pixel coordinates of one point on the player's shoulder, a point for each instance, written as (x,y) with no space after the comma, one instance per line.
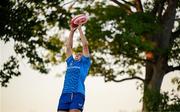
(69,58)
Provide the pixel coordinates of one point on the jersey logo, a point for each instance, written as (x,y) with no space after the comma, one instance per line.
(77,67)
(80,104)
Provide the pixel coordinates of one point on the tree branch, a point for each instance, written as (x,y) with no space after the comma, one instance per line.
(171,68)
(129,78)
(139,6)
(117,2)
(175,35)
(69,2)
(158,7)
(170,12)
(125,7)
(137,58)
(129,3)
(177,19)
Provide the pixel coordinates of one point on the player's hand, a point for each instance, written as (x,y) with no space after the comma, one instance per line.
(73,28)
(79,27)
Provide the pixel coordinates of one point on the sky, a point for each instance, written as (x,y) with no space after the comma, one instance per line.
(35,92)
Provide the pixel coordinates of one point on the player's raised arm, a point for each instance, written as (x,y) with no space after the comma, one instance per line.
(84,42)
(69,42)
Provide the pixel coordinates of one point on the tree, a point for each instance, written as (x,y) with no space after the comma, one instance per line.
(125,34)
(26,23)
(124,37)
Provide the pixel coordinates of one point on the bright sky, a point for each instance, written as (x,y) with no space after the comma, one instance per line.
(35,92)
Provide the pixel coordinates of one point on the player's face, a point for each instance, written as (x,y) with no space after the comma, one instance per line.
(78,56)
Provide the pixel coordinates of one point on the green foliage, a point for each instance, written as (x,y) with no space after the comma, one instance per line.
(111,31)
(54,46)
(162,102)
(10,69)
(141,23)
(174,52)
(176,81)
(26,23)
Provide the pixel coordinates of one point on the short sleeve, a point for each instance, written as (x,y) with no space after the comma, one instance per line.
(86,60)
(69,59)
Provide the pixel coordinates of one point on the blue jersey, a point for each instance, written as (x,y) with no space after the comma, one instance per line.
(76,73)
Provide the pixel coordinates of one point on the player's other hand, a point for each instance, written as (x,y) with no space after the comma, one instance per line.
(79,27)
(73,28)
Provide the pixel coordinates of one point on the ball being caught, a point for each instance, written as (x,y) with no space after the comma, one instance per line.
(79,19)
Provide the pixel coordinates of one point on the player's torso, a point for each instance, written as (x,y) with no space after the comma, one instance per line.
(74,77)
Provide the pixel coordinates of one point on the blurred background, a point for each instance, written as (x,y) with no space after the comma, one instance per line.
(135,48)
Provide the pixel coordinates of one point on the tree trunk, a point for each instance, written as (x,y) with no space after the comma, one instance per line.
(154,76)
(156,69)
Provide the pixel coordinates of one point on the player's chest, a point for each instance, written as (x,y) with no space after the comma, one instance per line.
(75,64)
